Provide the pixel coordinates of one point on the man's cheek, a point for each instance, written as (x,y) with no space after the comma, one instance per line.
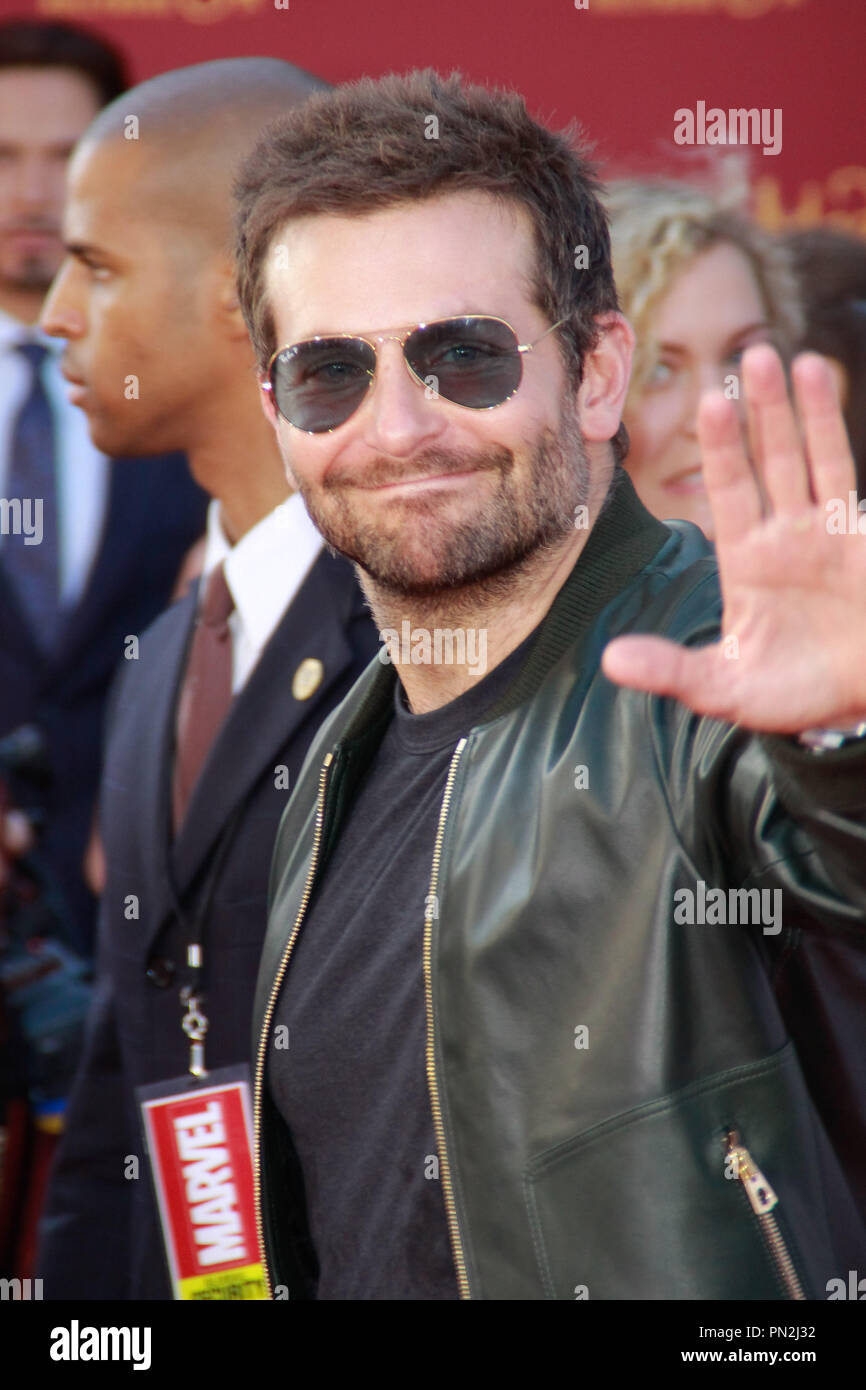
(286,453)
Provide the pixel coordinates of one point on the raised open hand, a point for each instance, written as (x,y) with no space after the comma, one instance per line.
(792,569)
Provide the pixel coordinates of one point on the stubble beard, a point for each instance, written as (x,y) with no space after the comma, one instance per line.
(31,272)
(424,557)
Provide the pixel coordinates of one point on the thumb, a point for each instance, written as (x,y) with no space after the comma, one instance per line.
(661,667)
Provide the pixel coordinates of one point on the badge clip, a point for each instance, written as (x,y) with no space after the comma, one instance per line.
(194,1024)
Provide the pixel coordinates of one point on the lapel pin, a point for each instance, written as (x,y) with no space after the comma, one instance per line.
(307,678)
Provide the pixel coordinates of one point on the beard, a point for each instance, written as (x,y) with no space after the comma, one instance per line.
(33,273)
(29,270)
(421,550)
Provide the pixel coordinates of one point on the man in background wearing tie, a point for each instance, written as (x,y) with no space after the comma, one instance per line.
(211,722)
(109,544)
(89,552)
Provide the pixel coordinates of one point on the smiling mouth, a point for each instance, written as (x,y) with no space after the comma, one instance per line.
(76,391)
(689,480)
(423,480)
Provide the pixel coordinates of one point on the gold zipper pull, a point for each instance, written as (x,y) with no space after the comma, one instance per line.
(762,1200)
(758,1190)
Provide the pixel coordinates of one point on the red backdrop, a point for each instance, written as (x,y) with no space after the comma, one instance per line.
(622,67)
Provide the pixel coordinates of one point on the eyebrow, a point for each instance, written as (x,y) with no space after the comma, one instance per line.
(82,249)
(677,349)
(57,147)
(413,323)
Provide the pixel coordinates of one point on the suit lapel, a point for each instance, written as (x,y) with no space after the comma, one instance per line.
(15,630)
(265,714)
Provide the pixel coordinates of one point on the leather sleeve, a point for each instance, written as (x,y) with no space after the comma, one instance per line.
(761,811)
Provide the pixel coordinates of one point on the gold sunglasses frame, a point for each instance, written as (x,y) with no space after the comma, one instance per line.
(402,339)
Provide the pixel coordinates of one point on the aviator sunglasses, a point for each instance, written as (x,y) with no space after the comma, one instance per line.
(474,361)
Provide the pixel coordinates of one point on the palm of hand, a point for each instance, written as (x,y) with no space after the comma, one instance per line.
(792,654)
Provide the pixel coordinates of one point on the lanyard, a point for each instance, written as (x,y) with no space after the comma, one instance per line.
(195,1021)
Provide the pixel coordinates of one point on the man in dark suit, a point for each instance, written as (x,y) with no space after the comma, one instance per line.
(110,546)
(211,720)
(90,547)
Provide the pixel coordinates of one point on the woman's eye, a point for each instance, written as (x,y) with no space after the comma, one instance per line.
(759,336)
(660,374)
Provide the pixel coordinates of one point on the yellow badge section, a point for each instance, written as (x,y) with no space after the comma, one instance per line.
(247,1282)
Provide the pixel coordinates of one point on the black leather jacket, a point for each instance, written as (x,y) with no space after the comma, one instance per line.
(620,1112)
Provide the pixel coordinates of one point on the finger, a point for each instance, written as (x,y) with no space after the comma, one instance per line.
(780,455)
(728,477)
(660,667)
(832,464)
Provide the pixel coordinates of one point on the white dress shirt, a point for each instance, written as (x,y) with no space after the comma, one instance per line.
(264,572)
(82,471)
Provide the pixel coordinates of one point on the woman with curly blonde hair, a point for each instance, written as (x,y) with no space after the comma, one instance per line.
(700,283)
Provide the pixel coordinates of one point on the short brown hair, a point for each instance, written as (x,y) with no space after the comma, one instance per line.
(363,147)
(32,43)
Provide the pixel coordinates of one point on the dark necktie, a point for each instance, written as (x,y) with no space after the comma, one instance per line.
(207,690)
(31,480)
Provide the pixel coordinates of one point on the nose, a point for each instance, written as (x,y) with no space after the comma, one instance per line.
(706,374)
(693,386)
(38,183)
(62,313)
(723,375)
(400,416)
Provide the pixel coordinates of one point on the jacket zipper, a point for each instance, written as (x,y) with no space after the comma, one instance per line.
(430,912)
(260,1060)
(762,1200)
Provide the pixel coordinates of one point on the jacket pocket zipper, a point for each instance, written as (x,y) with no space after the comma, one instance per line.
(762,1200)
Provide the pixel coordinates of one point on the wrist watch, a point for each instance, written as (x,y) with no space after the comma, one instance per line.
(828,740)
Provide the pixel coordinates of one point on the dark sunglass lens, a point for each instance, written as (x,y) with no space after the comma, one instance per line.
(470,361)
(318,385)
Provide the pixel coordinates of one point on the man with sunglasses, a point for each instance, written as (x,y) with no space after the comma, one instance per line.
(504,1048)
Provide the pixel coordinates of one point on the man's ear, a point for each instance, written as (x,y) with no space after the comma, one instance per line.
(227,303)
(266,401)
(606,371)
(271,414)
